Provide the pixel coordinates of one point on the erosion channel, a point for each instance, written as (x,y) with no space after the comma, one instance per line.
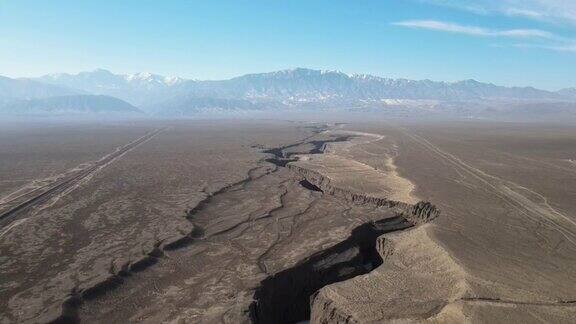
(259,248)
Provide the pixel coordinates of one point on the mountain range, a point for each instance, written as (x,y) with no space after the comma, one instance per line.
(138,89)
(288,89)
(69,106)
(31,89)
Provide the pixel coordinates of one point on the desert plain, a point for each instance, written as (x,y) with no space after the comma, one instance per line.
(273,221)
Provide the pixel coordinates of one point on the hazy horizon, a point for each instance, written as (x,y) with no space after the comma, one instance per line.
(348,73)
(490,41)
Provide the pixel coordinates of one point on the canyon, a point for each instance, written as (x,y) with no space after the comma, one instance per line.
(290,221)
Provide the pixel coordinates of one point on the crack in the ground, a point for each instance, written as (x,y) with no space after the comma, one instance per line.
(356,255)
(71,306)
(285,296)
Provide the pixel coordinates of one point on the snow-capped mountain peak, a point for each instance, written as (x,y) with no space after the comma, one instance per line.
(141,76)
(291,86)
(147,77)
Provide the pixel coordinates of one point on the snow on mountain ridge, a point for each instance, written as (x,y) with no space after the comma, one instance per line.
(152,78)
(101,76)
(290,85)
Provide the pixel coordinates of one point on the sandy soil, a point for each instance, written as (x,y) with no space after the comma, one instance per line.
(502,249)
(279,222)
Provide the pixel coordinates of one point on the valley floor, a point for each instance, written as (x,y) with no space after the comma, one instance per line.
(280,222)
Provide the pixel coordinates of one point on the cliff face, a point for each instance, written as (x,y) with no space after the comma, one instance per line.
(416,280)
(288,296)
(499,253)
(403,254)
(285,296)
(419,213)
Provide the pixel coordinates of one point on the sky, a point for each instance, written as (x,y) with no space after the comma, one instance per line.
(506,42)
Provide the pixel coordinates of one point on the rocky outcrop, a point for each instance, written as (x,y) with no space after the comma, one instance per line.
(419,213)
(327,312)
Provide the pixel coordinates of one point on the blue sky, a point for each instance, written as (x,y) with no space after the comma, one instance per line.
(508,42)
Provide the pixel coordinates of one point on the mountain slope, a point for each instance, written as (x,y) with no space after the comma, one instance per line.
(290,85)
(304,88)
(138,89)
(299,88)
(209,106)
(303,85)
(30,89)
(568,92)
(69,105)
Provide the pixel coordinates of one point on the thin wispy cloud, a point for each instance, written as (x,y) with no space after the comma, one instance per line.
(474,30)
(568,48)
(525,13)
(555,11)
(535,38)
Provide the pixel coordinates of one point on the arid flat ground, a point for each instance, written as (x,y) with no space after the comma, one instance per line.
(35,151)
(280,222)
(119,212)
